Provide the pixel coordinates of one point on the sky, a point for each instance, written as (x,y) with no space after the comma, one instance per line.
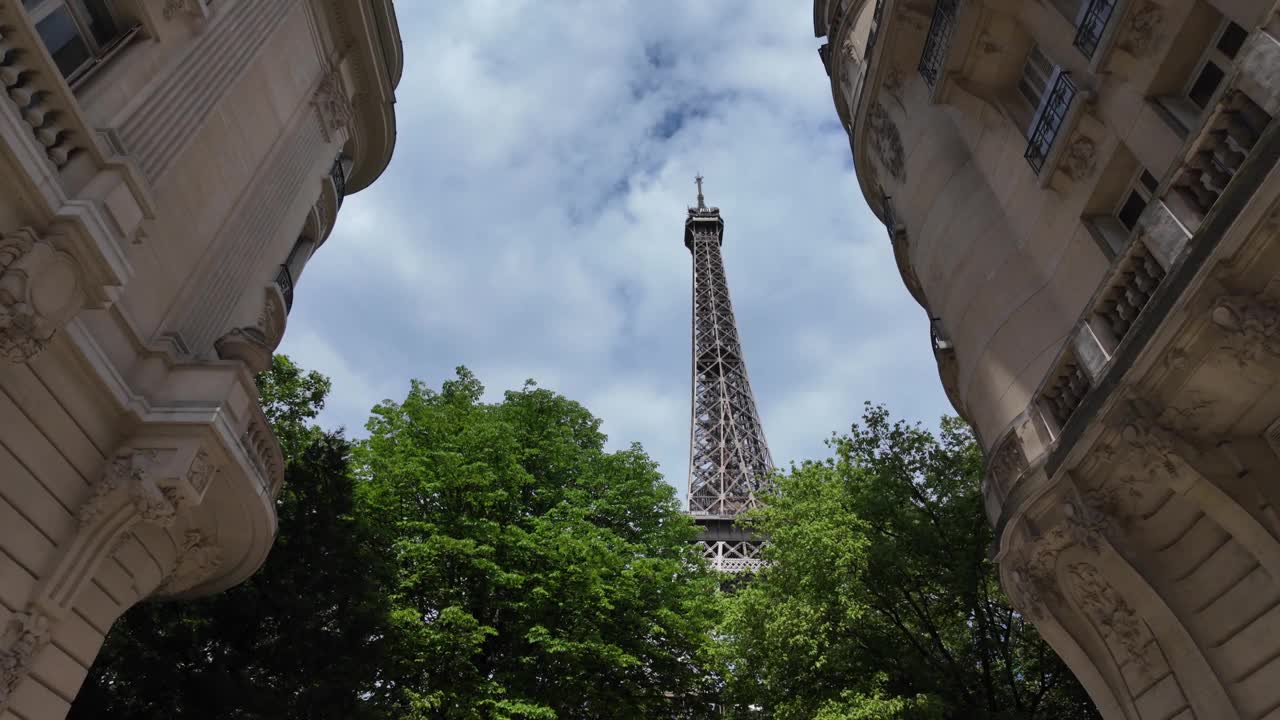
(530,224)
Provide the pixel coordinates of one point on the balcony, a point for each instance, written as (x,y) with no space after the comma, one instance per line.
(1065,390)
(284,280)
(338,174)
(1093,25)
(1227,139)
(876,15)
(1053,115)
(935,45)
(1137,277)
(890,218)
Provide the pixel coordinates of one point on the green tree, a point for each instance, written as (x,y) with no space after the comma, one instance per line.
(303,638)
(880,600)
(539,576)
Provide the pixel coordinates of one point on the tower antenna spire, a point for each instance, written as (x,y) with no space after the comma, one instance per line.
(702,204)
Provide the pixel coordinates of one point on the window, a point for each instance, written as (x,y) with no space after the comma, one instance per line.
(1185,110)
(78,33)
(1037,73)
(1136,200)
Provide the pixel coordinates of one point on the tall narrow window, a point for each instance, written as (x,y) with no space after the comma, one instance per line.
(1185,110)
(78,33)
(1037,72)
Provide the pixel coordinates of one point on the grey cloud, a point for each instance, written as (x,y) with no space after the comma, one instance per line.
(530,224)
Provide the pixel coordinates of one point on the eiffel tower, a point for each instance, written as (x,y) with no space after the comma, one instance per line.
(729,462)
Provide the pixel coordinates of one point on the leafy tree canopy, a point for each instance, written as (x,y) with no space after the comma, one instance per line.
(880,600)
(538,576)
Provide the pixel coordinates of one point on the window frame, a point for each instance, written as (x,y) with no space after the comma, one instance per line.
(81,17)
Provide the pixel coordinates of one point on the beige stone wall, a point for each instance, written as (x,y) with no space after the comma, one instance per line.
(1123,382)
(145,211)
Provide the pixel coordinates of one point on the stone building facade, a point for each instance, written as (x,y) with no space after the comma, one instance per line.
(167,167)
(1083,196)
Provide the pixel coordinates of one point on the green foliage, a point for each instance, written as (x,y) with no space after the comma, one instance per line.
(291,399)
(304,638)
(880,600)
(538,576)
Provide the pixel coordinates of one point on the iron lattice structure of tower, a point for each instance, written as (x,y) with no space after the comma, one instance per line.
(729,462)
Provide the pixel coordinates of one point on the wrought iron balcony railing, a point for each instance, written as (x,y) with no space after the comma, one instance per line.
(935,45)
(1092,25)
(339,176)
(875,29)
(284,280)
(890,218)
(941,342)
(1052,116)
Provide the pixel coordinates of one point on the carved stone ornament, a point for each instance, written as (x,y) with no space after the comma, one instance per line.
(39,291)
(1079,160)
(1253,325)
(21,640)
(887,142)
(1141,31)
(198,559)
(1120,627)
(332,105)
(202,472)
(127,475)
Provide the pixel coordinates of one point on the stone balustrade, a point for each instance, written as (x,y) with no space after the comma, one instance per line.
(264,452)
(33,84)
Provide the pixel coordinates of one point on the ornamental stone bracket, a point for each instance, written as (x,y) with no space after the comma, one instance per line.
(333,107)
(40,290)
(254,344)
(153,482)
(1171,460)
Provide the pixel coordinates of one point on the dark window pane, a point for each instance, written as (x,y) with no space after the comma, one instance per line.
(1149,181)
(1131,210)
(60,36)
(1202,91)
(1232,40)
(101,22)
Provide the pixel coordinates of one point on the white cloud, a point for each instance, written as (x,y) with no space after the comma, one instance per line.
(530,224)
